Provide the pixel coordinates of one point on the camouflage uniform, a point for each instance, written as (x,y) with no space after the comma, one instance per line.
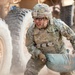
(48,40)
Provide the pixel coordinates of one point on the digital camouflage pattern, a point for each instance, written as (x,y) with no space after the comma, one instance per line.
(41,11)
(48,40)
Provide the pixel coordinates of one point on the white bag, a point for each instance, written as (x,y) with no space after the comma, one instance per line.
(61,62)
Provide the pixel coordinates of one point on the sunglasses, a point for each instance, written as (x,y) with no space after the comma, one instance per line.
(40,18)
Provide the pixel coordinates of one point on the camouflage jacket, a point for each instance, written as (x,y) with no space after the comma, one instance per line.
(49,40)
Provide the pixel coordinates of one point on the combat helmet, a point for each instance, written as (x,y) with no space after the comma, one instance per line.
(42,10)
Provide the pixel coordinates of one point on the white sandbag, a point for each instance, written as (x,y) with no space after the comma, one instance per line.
(61,62)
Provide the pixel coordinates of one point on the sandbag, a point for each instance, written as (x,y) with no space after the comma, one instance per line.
(61,62)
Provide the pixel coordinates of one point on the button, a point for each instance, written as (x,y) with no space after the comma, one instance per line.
(38,45)
(44,45)
(50,44)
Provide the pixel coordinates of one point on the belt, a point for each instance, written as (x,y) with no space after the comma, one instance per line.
(45,45)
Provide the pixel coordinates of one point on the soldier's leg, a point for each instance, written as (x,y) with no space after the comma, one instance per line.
(66,73)
(33,67)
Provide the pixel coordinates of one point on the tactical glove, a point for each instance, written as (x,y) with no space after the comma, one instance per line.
(42,57)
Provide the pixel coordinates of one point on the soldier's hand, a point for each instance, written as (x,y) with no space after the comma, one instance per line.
(42,57)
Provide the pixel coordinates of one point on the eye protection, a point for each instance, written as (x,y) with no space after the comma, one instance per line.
(40,18)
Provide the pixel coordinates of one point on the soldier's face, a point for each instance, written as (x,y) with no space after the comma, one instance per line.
(41,22)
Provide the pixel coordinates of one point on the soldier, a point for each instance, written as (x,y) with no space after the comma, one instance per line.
(45,36)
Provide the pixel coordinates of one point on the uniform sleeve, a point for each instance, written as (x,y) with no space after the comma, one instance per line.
(31,45)
(68,33)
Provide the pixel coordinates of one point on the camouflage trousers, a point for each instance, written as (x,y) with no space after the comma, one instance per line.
(35,65)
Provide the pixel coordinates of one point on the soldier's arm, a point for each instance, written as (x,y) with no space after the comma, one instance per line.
(68,33)
(31,45)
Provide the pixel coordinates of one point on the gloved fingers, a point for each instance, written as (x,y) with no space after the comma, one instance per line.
(43,60)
